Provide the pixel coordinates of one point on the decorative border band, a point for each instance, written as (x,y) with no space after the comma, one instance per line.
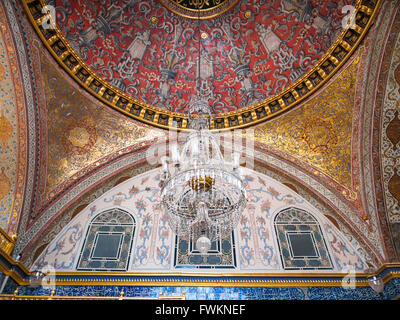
(20,274)
(331,62)
(15,296)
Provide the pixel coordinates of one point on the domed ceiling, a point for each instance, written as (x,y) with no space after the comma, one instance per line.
(250,59)
(253,51)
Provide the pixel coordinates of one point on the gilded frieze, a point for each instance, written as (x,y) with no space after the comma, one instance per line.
(390,147)
(319,132)
(202,9)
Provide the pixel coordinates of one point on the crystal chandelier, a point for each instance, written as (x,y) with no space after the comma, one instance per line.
(202,195)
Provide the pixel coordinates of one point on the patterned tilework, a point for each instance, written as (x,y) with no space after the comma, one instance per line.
(108,242)
(391,291)
(390,151)
(221,254)
(154,244)
(301,242)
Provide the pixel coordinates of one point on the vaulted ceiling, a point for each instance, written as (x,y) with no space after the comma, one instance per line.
(314,103)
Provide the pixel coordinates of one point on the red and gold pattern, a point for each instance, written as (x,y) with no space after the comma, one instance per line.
(201,9)
(151,54)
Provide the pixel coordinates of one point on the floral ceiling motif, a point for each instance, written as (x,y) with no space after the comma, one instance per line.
(252,52)
(390,138)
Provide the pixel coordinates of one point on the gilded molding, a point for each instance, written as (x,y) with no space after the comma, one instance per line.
(7,243)
(331,62)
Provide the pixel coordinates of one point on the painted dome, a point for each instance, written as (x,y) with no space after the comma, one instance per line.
(251,60)
(248,53)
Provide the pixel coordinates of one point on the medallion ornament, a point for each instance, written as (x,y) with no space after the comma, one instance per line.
(80,137)
(5,184)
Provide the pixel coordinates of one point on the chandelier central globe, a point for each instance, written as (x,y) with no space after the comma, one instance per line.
(202,195)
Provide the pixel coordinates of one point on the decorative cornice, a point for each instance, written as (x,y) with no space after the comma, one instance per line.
(331,62)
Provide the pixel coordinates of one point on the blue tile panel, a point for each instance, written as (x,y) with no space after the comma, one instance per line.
(108,242)
(392,290)
(296,231)
(221,254)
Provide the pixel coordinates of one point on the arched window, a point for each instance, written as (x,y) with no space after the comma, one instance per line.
(108,242)
(300,240)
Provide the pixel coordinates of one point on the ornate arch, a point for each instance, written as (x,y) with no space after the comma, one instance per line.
(332,203)
(382,135)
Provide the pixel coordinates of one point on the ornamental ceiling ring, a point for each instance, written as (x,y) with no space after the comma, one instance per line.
(333,59)
(208,9)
